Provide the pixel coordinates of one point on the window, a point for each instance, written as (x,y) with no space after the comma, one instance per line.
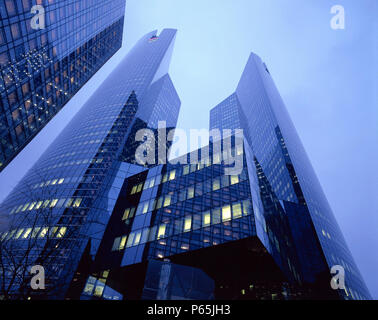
(236,211)
(122,243)
(26,5)
(172,175)
(140,186)
(134,189)
(39,204)
(15,29)
(15,115)
(46,203)
(11,7)
(53,203)
(216,216)
(62,232)
(27,233)
(234,180)
(246,207)
(116,244)
(35,232)
(19,233)
(32,205)
(185,170)
(43,232)
(188,223)
(3,59)
(206,219)
(126,214)
(226,213)
(137,238)
(161,231)
(25,88)
(216,184)
(190,192)
(167,200)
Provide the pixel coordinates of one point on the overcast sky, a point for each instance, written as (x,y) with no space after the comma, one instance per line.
(326,77)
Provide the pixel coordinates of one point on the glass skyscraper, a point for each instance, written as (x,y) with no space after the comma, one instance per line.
(45,61)
(266,232)
(58,212)
(106,227)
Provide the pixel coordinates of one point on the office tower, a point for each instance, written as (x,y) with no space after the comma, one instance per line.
(265,232)
(64,202)
(48,51)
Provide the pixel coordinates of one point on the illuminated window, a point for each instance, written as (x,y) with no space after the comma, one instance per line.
(89,285)
(122,243)
(188,223)
(39,204)
(226,213)
(53,203)
(46,203)
(167,200)
(172,175)
(43,232)
(126,214)
(140,186)
(145,208)
(61,181)
(27,233)
(234,180)
(206,219)
(165,178)
(99,289)
(53,231)
(62,232)
(25,207)
(54,181)
(161,231)
(69,202)
(137,238)
(134,189)
(236,211)
(18,233)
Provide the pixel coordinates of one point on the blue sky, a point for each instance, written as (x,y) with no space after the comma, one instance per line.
(326,77)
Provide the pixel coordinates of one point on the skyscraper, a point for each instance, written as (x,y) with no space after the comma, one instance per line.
(63,203)
(48,50)
(266,232)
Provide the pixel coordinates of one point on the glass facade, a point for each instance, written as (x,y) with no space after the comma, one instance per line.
(265,233)
(281,176)
(76,181)
(44,62)
(181,229)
